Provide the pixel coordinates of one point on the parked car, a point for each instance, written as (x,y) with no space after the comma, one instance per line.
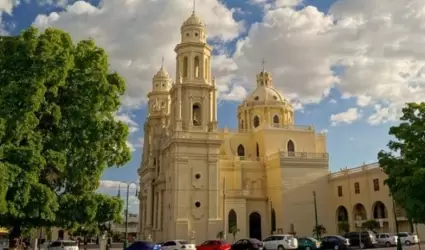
(280,242)
(141,245)
(364,239)
(247,244)
(177,244)
(386,239)
(308,243)
(63,245)
(4,244)
(408,238)
(157,246)
(335,242)
(214,245)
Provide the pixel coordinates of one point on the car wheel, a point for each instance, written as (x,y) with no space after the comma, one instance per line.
(336,247)
(362,245)
(407,243)
(280,248)
(388,244)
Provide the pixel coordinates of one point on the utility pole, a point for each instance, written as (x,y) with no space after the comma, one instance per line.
(126,212)
(224,209)
(315,215)
(399,246)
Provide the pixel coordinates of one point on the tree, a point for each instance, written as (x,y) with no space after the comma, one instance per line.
(234,230)
(370,225)
(319,230)
(57,131)
(404,163)
(220,235)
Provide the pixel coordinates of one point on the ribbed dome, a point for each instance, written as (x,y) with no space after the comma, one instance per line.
(193,20)
(265,94)
(162,73)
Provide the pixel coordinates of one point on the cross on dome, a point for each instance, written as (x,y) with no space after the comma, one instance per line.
(263,65)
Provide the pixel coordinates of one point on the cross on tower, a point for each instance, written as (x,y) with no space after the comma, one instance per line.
(194,5)
(263,64)
(162,61)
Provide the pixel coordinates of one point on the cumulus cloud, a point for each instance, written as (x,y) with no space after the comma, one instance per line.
(370,50)
(138,33)
(346,117)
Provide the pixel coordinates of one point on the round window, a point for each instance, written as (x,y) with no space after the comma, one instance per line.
(196,34)
(197,204)
(198,176)
(275,97)
(256,98)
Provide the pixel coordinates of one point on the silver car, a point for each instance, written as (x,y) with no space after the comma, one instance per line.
(386,239)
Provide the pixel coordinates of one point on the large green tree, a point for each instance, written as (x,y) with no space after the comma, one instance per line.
(404,163)
(57,131)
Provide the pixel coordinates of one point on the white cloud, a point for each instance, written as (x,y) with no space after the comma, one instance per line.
(346,117)
(376,45)
(137,33)
(7,5)
(115,184)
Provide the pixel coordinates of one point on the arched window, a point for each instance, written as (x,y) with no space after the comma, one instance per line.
(256,121)
(196,114)
(276,121)
(196,66)
(241,150)
(232,220)
(185,66)
(291,148)
(258,150)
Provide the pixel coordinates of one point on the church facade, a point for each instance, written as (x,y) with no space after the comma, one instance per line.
(267,176)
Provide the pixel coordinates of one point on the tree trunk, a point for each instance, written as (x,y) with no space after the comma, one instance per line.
(15,237)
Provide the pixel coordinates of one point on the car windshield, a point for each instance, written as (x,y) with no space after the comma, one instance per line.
(70,244)
(255,241)
(183,242)
(340,237)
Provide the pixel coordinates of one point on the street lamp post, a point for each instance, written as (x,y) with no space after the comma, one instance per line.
(399,246)
(126,210)
(315,215)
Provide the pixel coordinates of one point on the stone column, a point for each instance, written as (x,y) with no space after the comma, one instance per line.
(161,209)
(149,205)
(155,209)
(214,101)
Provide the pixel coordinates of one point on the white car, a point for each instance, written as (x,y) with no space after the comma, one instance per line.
(177,245)
(280,242)
(408,238)
(386,239)
(63,245)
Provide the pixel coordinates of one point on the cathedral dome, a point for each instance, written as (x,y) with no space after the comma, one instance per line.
(265,92)
(162,73)
(193,20)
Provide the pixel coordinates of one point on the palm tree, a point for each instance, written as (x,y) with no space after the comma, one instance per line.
(319,230)
(234,230)
(220,235)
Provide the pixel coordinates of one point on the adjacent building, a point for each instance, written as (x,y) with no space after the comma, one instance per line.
(262,178)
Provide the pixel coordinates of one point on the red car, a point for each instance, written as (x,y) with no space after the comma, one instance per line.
(214,245)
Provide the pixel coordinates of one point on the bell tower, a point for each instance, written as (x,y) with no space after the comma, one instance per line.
(195,92)
(193,144)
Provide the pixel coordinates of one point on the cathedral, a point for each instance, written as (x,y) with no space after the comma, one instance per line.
(267,176)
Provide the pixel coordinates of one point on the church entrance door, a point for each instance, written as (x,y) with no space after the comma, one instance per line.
(255,226)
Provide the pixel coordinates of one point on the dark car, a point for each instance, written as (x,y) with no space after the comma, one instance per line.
(308,243)
(141,245)
(364,239)
(335,242)
(247,244)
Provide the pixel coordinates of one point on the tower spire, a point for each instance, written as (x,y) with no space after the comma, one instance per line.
(162,62)
(194,6)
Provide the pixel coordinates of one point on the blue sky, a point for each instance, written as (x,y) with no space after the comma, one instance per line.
(351,88)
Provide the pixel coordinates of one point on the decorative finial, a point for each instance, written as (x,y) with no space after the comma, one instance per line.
(162,62)
(263,64)
(194,5)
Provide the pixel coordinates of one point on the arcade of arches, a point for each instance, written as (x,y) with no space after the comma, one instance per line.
(351,219)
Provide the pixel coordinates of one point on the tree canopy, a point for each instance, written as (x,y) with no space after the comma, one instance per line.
(57,131)
(404,163)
